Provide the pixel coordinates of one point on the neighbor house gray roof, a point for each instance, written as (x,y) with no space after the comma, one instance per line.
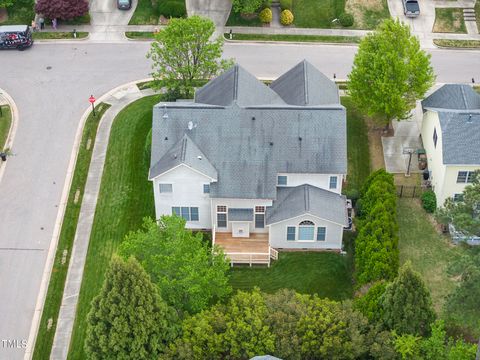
(306,85)
(460,137)
(296,201)
(454,97)
(13,28)
(184,152)
(239,86)
(248,143)
(237,214)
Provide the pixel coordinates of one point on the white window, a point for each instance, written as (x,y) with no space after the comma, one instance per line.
(188,213)
(291,233)
(166,188)
(321,233)
(333,182)
(306,230)
(260,217)
(435,137)
(206,188)
(221,216)
(465,176)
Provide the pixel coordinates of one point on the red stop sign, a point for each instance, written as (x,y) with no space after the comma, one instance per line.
(91,99)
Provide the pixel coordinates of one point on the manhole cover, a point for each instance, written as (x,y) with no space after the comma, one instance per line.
(49,68)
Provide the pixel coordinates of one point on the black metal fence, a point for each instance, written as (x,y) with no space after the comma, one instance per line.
(409,191)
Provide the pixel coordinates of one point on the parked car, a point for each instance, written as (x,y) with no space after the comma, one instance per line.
(15,37)
(411,8)
(124,4)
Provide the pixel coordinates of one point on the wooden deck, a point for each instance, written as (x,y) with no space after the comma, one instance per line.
(252,250)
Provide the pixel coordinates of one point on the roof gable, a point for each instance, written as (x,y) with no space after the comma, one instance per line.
(236,85)
(306,85)
(453,97)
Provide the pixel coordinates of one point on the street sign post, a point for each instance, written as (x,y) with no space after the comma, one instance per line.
(92,101)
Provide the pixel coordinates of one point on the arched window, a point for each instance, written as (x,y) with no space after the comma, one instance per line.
(306,230)
(307,222)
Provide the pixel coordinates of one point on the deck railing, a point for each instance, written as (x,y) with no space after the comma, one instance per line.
(248,258)
(273,253)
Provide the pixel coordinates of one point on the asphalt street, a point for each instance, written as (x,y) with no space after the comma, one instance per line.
(51,84)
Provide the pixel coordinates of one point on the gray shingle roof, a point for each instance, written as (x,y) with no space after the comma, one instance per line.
(237,214)
(239,86)
(460,137)
(248,145)
(453,96)
(306,85)
(295,201)
(184,152)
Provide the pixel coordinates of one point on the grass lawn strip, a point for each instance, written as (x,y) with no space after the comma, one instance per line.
(5,123)
(145,14)
(296,38)
(57,35)
(125,198)
(317,13)
(43,344)
(236,19)
(22,12)
(465,44)
(323,273)
(449,20)
(139,35)
(429,252)
(367,14)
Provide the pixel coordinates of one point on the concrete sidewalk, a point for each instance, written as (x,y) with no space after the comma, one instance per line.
(119,98)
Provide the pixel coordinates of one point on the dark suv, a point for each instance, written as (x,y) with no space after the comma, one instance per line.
(15,37)
(124,4)
(411,8)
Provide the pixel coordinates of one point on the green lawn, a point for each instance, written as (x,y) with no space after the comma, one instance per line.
(477,13)
(57,35)
(316,13)
(449,20)
(56,285)
(5,123)
(145,14)
(322,273)
(429,252)
(20,13)
(295,38)
(235,19)
(139,35)
(357,147)
(467,44)
(125,198)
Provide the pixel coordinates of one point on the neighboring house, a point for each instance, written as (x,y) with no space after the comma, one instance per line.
(252,162)
(451,137)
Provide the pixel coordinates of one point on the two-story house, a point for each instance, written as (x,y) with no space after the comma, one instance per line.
(250,161)
(451,138)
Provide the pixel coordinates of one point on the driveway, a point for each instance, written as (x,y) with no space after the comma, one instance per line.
(217,10)
(106,17)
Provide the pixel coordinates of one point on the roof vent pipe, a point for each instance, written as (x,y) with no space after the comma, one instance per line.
(469,118)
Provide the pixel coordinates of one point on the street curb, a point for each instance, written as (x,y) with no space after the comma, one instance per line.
(42,294)
(289,42)
(13,128)
(455,48)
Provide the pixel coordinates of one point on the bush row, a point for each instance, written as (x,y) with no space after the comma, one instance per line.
(376,246)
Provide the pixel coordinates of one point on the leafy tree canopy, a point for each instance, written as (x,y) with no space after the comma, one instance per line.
(61,9)
(184,57)
(128,319)
(190,277)
(246,6)
(390,72)
(6,3)
(407,304)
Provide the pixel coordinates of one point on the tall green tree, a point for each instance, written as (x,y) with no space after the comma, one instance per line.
(246,6)
(465,213)
(6,3)
(184,56)
(189,275)
(390,72)
(128,319)
(407,304)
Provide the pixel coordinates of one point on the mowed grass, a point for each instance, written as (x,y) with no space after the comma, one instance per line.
(125,198)
(20,13)
(56,35)
(296,38)
(449,20)
(236,19)
(145,14)
(322,273)
(5,123)
(429,252)
(357,146)
(43,344)
(316,13)
(467,44)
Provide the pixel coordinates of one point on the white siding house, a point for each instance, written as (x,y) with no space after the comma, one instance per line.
(255,163)
(451,138)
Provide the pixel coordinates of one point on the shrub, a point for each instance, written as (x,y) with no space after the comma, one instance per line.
(429,201)
(346,19)
(286,4)
(265,15)
(286,17)
(172,8)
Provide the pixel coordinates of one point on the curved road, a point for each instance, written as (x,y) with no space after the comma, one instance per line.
(51,84)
